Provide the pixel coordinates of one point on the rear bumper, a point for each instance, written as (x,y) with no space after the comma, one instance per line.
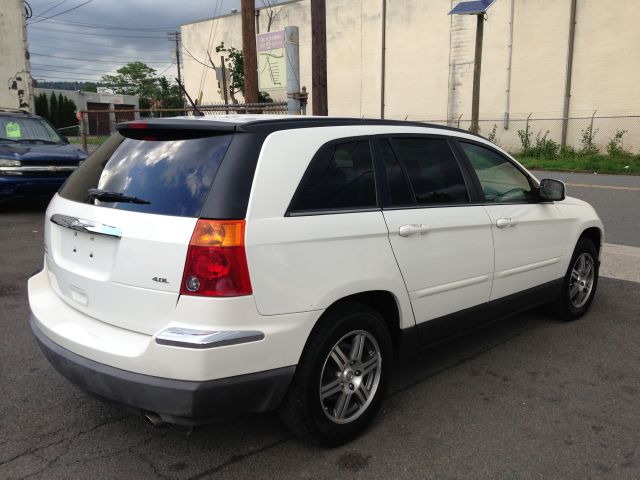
(175,401)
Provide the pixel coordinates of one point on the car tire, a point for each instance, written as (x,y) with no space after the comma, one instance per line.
(580,282)
(342,376)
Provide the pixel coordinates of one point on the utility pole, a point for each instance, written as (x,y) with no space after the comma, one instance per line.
(319,57)
(567,82)
(175,36)
(249,51)
(383,60)
(479,9)
(477,66)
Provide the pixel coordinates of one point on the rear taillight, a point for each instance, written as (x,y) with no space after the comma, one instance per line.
(216,263)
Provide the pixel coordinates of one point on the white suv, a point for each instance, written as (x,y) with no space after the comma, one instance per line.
(197,268)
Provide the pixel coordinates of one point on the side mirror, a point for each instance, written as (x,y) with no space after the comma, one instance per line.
(551,190)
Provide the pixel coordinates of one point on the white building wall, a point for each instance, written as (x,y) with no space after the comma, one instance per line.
(429,62)
(16,90)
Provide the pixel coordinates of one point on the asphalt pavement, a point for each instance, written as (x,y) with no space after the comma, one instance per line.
(616,198)
(529,397)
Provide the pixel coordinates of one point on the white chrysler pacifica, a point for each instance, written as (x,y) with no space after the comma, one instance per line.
(197,268)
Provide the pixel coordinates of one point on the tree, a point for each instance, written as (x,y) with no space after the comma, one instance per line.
(68,115)
(54,111)
(89,87)
(169,95)
(62,109)
(235,65)
(135,78)
(272,13)
(42,105)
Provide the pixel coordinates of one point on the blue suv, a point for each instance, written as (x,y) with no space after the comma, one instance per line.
(35,159)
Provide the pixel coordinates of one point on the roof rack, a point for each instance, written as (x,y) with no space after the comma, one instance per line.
(337,121)
(14,110)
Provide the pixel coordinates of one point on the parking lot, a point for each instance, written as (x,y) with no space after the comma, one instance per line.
(529,397)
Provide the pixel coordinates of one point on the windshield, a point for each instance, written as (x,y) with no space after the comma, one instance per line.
(27,129)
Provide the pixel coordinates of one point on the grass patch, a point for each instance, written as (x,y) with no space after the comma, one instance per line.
(91,140)
(621,164)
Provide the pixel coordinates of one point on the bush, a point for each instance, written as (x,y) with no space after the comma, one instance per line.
(615,147)
(568,151)
(525,139)
(492,134)
(586,141)
(544,147)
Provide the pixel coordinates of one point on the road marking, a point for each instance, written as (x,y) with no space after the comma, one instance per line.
(621,262)
(612,187)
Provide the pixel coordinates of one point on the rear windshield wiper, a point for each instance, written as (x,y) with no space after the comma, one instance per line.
(106,196)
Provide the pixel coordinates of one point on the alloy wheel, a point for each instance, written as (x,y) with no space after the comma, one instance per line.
(350,376)
(581,281)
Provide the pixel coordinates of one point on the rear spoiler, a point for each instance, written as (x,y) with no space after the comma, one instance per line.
(176,128)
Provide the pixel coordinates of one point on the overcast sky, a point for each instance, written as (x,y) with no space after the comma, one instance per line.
(102,35)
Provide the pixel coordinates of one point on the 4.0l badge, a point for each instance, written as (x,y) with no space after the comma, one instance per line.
(160,280)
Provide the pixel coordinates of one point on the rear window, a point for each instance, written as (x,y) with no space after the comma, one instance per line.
(173,175)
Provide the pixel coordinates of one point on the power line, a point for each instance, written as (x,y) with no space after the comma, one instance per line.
(39,65)
(203,75)
(75,41)
(162,72)
(93,59)
(195,59)
(49,47)
(60,70)
(49,9)
(111,27)
(61,13)
(65,50)
(93,34)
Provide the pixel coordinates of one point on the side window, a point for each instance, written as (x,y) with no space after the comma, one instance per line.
(501,181)
(432,169)
(340,177)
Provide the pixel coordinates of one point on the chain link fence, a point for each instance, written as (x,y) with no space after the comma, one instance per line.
(593,133)
(519,134)
(95,126)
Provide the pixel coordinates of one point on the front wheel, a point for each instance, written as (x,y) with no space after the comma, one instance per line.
(342,376)
(580,282)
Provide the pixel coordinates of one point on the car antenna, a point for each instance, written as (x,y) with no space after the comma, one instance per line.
(196,112)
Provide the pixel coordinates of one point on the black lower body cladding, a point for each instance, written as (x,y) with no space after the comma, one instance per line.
(175,401)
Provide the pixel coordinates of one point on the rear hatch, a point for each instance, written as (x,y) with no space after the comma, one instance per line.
(116,236)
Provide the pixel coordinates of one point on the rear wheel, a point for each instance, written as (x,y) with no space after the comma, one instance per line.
(342,376)
(580,282)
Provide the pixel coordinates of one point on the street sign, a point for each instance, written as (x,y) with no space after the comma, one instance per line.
(272,65)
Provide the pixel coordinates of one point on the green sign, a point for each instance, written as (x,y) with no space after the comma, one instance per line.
(13,130)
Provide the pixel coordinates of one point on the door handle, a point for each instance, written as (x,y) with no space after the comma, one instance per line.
(413,229)
(505,222)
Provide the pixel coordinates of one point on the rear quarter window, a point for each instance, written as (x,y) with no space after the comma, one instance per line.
(173,175)
(339,177)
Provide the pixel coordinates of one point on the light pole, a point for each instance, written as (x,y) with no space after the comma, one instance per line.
(478,8)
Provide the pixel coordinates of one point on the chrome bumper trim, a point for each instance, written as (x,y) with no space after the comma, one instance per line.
(28,169)
(188,338)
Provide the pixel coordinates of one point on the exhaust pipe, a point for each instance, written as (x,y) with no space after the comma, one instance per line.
(154,419)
